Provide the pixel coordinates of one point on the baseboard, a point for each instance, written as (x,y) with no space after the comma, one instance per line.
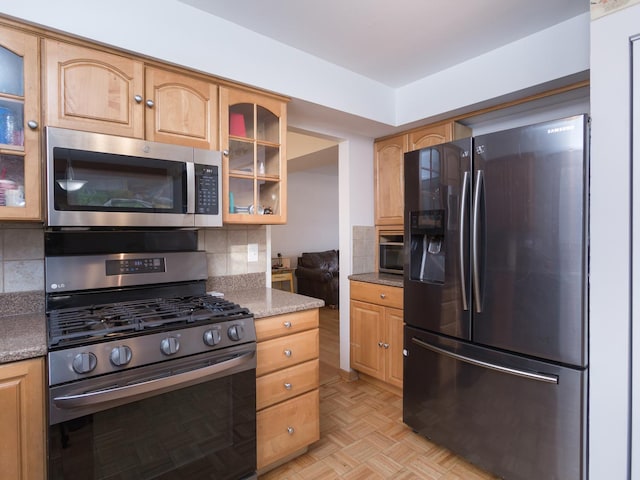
(348,376)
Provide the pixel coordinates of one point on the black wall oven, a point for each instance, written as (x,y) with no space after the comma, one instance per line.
(149,376)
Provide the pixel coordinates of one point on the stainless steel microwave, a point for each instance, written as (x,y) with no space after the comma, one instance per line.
(391,253)
(96,180)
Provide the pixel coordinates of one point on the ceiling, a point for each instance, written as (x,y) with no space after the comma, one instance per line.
(394,42)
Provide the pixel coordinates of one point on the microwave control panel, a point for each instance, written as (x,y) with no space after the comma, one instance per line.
(207,180)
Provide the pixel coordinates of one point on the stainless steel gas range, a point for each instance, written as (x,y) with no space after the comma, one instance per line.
(149,376)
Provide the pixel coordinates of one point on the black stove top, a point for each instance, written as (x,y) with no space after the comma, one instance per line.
(96,323)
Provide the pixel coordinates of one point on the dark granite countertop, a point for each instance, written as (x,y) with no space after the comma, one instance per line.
(389,279)
(266,302)
(22,337)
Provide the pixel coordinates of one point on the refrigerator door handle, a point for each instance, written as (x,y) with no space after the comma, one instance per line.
(474,242)
(463,267)
(540,377)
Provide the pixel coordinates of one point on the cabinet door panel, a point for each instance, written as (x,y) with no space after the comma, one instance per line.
(184,109)
(22,420)
(389,181)
(394,322)
(91,90)
(366,334)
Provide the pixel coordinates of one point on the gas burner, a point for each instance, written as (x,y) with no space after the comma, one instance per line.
(84,325)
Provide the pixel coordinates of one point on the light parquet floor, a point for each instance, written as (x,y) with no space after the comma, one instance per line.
(362,436)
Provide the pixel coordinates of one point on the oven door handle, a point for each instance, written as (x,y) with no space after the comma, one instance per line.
(156,385)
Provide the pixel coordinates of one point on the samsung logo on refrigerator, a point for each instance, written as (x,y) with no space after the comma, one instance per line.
(560,129)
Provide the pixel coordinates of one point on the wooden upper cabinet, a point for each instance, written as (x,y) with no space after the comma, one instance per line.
(389,166)
(96,91)
(389,180)
(180,109)
(87,89)
(252,137)
(20,170)
(436,134)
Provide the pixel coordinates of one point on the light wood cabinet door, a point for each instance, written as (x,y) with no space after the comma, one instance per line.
(253,137)
(22,420)
(287,427)
(87,89)
(394,323)
(20,164)
(389,180)
(367,333)
(429,136)
(180,109)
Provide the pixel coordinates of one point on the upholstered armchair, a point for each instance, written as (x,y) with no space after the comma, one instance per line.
(318,276)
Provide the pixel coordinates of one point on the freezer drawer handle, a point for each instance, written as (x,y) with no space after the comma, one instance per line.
(511,371)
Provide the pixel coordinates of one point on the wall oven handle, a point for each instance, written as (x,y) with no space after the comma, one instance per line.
(108,395)
(463,266)
(540,377)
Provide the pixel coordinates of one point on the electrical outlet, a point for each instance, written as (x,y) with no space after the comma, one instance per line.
(252,252)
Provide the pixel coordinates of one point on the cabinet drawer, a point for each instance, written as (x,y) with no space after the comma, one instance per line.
(287,324)
(287,427)
(285,384)
(378,294)
(287,351)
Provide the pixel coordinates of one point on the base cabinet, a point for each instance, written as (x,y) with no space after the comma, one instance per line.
(376,318)
(22,420)
(287,382)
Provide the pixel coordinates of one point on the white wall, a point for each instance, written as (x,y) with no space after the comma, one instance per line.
(178,33)
(312,215)
(609,340)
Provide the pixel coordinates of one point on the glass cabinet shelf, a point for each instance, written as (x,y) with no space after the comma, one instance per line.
(255,168)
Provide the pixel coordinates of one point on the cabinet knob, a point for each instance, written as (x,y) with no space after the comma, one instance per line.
(290,430)
(287,353)
(383,295)
(287,386)
(385,345)
(32,124)
(150,103)
(287,324)
(380,344)
(138,98)
(225,153)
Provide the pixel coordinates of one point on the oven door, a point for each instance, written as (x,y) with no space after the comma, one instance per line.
(187,418)
(102,181)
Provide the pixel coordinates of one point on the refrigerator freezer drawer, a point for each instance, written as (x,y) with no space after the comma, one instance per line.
(516,417)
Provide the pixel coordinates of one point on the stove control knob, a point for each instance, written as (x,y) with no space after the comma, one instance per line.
(212,336)
(120,356)
(170,345)
(235,332)
(84,362)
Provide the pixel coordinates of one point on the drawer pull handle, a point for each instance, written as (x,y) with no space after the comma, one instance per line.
(380,344)
(287,386)
(287,324)
(290,430)
(383,295)
(287,353)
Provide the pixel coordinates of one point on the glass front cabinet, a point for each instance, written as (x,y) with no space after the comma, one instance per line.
(253,129)
(19,129)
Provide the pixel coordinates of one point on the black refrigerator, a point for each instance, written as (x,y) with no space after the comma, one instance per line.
(495,298)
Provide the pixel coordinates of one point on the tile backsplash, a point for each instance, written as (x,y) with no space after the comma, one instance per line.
(22,258)
(364,249)
(22,254)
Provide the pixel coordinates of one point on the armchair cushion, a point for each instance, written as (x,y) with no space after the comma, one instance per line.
(318,276)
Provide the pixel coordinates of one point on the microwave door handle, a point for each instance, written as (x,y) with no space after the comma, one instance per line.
(191,188)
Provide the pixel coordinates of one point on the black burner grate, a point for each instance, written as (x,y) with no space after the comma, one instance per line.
(92,323)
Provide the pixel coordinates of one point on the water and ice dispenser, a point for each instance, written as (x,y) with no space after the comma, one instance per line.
(427,252)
